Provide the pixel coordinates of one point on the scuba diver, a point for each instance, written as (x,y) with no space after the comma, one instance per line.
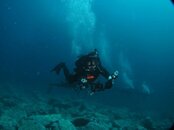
(88,69)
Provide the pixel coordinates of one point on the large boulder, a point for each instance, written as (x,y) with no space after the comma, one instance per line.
(42,122)
(97,126)
(7,123)
(127,125)
(31,125)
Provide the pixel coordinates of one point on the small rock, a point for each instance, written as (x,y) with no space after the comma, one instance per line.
(148,124)
(31,125)
(80,122)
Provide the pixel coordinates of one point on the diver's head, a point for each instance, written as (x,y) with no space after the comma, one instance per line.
(92,65)
(92,61)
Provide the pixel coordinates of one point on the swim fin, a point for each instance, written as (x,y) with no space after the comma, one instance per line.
(58,67)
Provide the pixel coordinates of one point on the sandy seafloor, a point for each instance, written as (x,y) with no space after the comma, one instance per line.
(38,111)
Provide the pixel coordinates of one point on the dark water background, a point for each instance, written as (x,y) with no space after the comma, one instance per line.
(136,37)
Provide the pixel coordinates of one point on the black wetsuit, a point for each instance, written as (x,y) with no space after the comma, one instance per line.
(81,72)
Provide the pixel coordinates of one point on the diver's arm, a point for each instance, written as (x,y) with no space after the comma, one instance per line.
(96,87)
(109,77)
(103,72)
(110,81)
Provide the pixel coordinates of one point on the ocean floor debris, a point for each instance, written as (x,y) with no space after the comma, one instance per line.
(56,114)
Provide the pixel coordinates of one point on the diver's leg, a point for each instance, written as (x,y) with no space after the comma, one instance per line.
(58,67)
(69,77)
(66,72)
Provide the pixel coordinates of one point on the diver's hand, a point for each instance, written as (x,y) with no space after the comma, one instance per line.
(83,83)
(91,93)
(114,75)
(83,80)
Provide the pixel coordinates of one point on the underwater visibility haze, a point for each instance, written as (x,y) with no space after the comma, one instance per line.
(132,36)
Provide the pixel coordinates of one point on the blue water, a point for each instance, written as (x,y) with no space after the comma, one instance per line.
(134,37)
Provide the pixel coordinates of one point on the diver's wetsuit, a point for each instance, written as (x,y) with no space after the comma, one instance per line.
(81,72)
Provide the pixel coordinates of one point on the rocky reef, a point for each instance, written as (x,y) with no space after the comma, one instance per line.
(68,114)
